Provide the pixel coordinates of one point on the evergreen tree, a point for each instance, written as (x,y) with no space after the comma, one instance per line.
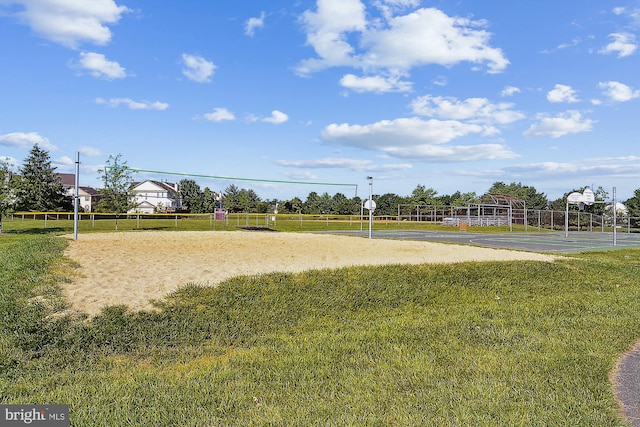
(232,201)
(38,187)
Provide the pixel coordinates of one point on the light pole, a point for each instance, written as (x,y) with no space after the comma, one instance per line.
(370,179)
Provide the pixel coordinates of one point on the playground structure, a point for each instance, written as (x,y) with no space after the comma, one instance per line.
(505,210)
(493,210)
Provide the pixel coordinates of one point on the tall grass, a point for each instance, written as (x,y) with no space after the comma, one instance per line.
(499,343)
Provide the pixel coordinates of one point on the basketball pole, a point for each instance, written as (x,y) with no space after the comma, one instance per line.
(615,237)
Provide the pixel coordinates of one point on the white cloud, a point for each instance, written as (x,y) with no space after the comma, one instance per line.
(301,175)
(133,105)
(355,165)
(197,68)
(327,31)
(341,36)
(574,42)
(69,22)
(98,66)
(562,93)
(389,7)
(624,44)
(618,92)
(563,124)
(277,118)
(509,91)
(619,10)
(632,13)
(253,23)
(64,161)
(440,81)
(475,110)
(26,140)
(582,167)
(377,84)
(220,115)
(417,139)
(90,151)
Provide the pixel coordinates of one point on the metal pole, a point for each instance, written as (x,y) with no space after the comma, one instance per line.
(566,221)
(76,198)
(510,216)
(615,237)
(370,178)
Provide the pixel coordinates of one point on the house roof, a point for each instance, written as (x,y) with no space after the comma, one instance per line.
(145,204)
(89,190)
(167,186)
(67,179)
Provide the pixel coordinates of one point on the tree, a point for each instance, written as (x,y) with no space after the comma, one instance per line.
(38,187)
(232,201)
(423,196)
(191,195)
(325,203)
(530,195)
(293,206)
(6,197)
(242,200)
(633,208)
(387,204)
(312,204)
(117,195)
(209,202)
(463,199)
(344,206)
(600,195)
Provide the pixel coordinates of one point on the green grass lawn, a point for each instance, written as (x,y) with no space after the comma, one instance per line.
(481,344)
(205,222)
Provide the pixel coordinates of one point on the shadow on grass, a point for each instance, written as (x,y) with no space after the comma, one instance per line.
(159,228)
(38,231)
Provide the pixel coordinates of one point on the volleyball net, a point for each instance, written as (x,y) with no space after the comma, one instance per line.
(160,191)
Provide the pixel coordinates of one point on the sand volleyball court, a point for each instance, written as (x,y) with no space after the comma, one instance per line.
(134,268)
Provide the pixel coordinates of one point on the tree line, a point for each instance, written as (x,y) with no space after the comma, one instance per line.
(37,187)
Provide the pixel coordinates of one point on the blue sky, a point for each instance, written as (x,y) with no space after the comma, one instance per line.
(452,95)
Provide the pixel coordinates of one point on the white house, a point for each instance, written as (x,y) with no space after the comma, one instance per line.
(88,197)
(155,196)
(621,209)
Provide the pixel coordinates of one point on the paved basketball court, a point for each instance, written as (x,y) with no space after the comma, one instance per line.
(535,242)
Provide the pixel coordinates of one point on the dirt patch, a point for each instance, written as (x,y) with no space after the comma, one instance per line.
(134,268)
